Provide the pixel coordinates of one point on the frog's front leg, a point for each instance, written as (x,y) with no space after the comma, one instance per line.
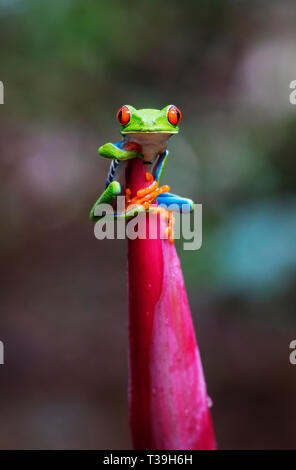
(123,150)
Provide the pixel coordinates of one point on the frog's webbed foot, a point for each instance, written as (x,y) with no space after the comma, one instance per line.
(146,196)
(144,200)
(107,197)
(181,204)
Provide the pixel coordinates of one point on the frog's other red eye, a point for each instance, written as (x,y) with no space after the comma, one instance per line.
(123,115)
(174,115)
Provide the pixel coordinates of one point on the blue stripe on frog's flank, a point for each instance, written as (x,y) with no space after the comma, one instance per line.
(111,173)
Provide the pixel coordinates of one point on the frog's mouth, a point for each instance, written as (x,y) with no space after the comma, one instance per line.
(151,143)
(149,132)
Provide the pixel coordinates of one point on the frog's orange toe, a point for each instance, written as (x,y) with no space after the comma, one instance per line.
(148,176)
(145,197)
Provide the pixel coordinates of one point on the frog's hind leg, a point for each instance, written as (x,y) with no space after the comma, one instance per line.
(129,212)
(181,204)
(107,197)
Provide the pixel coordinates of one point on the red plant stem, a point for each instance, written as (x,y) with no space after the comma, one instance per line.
(168,403)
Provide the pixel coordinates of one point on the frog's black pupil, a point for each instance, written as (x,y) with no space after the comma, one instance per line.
(178,115)
(120,115)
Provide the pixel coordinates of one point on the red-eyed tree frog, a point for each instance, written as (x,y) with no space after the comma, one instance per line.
(145,135)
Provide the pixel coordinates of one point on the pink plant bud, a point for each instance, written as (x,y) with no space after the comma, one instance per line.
(168,401)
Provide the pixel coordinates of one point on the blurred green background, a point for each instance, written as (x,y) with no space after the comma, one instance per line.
(67,67)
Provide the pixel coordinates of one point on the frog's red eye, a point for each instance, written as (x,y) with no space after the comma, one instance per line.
(123,115)
(174,115)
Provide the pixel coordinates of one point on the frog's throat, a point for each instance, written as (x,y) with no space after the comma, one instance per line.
(150,144)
